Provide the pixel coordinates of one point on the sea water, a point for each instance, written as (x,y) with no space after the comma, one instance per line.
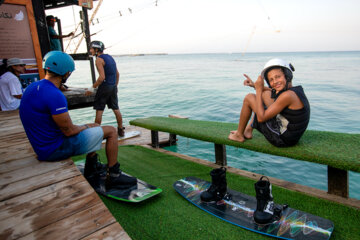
(210,87)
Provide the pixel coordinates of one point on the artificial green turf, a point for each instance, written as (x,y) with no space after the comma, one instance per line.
(170,216)
(338,150)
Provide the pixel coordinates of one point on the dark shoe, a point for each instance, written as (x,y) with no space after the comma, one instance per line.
(95,172)
(93,166)
(116,179)
(265,206)
(121,132)
(218,188)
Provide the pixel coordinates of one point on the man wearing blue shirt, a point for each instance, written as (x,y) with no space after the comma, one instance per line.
(47,123)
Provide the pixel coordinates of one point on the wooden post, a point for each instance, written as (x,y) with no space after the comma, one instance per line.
(220,154)
(172,139)
(338,182)
(60,32)
(155,139)
(87,38)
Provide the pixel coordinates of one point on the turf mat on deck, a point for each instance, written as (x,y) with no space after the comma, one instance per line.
(170,216)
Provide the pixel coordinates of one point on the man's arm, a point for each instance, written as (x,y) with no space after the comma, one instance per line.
(18,96)
(63,121)
(61,36)
(117,77)
(100,67)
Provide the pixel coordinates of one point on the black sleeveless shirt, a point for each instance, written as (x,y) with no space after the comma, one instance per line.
(298,119)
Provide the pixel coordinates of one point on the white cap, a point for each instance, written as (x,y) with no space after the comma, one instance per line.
(14,61)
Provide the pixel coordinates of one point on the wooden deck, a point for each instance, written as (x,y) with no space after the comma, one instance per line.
(40,200)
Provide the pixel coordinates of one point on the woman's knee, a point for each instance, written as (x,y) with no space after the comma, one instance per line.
(249,98)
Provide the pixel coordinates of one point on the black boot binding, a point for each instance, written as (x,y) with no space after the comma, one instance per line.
(94,171)
(266,210)
(218,188)
(116,179)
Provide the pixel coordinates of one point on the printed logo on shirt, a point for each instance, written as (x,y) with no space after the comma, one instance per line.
(58,109)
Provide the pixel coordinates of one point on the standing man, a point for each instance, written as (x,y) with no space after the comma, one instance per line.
(107,82)
(55,44)
(10,86)
(53,136)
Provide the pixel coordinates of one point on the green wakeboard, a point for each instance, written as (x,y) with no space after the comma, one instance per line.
(138,193)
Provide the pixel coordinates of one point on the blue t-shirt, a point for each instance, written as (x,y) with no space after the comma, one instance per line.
(55,44)
(110,69)
(39,102)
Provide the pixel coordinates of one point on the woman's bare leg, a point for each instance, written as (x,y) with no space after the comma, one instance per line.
(245,114)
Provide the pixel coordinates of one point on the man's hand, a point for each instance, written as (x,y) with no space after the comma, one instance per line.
(91,125)
(89,91)
(259,84)
(248,81)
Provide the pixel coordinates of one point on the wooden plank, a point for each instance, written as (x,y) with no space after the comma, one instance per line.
(34,214)
(76,226)
(13,138)
(9,156)
(278,182)
(31,171)
(14,189)
(338,182)
(113,231)
(144,138)
(11,130)
(38,193)
(9,151)
(17,164)
(8,114)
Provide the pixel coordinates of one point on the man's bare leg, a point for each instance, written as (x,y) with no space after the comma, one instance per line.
(98,117)
(118,117)
(111,145)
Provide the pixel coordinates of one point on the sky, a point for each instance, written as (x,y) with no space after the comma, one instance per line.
(219,26)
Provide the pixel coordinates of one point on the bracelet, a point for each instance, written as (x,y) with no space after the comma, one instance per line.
(86,126)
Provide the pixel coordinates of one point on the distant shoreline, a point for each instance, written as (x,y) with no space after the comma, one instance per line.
(199,53)
(138,55)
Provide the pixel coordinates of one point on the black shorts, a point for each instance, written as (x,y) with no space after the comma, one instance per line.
(271,131)
(106,95)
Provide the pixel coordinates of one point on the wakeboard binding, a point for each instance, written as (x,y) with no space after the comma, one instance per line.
(94,171)
(266,210)
(218,188)
(116,179)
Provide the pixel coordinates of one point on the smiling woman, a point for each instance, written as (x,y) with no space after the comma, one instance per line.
(281,115)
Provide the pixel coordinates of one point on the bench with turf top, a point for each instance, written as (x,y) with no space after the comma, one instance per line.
(339,151)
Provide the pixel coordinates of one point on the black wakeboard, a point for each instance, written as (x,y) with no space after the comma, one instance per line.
(239,210)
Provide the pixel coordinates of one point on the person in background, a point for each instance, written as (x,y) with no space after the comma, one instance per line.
(10,86)
(107,85)
(47,123)
(55,44)
(282,112)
